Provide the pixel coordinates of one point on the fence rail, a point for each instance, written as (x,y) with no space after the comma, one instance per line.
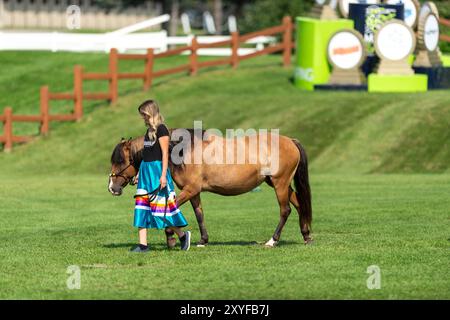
(78,95)
(446,23)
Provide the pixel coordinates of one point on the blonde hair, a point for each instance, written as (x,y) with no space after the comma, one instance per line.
(150,109)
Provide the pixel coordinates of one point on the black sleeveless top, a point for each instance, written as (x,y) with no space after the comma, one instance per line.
(152,149)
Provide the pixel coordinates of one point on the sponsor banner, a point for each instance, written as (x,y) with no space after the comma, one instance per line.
(369,18)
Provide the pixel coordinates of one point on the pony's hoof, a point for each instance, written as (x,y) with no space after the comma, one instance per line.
(202,243)
(171,243)
(271,243)
(309,242)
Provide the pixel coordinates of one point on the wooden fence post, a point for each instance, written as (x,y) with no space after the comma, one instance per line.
(194,60)
(234,49)
(45,119)
(8,130)
(148,69)
(78,91)
(287,41)
(113,72)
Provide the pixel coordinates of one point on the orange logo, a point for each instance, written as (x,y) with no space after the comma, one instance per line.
(346,50)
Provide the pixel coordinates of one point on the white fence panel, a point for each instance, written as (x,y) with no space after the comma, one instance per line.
(79,42)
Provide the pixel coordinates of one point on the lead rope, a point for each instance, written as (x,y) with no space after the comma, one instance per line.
(166,196)
(153,196)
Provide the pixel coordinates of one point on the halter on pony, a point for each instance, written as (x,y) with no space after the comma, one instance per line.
(129,180)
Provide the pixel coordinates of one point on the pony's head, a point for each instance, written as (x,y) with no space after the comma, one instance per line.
(123,167)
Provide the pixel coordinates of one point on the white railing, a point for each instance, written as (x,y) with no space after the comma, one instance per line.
(134,42)
(141,25)
(123,39)
(79,42)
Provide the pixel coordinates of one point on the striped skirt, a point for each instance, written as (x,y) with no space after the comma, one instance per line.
(156,212)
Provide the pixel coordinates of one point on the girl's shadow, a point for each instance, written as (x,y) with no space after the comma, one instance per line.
(130,245)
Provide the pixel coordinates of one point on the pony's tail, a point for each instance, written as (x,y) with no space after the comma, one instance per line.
(303,192)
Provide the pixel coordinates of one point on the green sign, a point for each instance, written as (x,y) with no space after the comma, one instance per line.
(311,63)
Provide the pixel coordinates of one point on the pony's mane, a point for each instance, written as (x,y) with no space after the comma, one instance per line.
(117,155)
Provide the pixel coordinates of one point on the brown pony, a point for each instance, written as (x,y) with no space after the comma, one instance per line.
(225,179)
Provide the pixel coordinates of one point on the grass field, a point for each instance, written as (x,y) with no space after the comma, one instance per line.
(399,223)
(380,175)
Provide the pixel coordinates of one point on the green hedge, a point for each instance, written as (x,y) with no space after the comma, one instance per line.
(267,13)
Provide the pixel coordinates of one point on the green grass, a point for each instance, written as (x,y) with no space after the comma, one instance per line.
(56,210)
(399,223)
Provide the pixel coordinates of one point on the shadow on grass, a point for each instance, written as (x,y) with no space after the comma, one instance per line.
(247,243)
(119,245)
(161,246)
(130,245)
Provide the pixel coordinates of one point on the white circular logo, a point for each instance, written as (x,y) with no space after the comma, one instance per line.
(394,41)
(345,50)
(431,32)
(410,10)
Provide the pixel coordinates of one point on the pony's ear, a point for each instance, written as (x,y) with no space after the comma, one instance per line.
(122,139)
(130,139)
(127,143)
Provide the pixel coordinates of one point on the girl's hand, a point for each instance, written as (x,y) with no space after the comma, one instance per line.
(163,182)
(136,178)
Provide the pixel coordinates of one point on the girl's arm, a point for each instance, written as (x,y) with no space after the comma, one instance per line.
(164,143)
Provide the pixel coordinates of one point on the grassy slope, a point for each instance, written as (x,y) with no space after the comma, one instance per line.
(344,132)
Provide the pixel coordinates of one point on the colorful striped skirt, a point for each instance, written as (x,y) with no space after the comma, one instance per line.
(155,212)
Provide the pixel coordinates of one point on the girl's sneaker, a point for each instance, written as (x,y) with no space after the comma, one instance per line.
(186,241)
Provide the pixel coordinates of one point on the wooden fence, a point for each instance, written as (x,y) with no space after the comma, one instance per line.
(445,23)
(113,76)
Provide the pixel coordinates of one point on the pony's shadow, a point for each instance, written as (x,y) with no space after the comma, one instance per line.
(214,243)
(248,243)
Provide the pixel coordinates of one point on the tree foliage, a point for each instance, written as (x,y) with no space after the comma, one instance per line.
(261,14)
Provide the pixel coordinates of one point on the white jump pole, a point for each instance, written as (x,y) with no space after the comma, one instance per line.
(141,25)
